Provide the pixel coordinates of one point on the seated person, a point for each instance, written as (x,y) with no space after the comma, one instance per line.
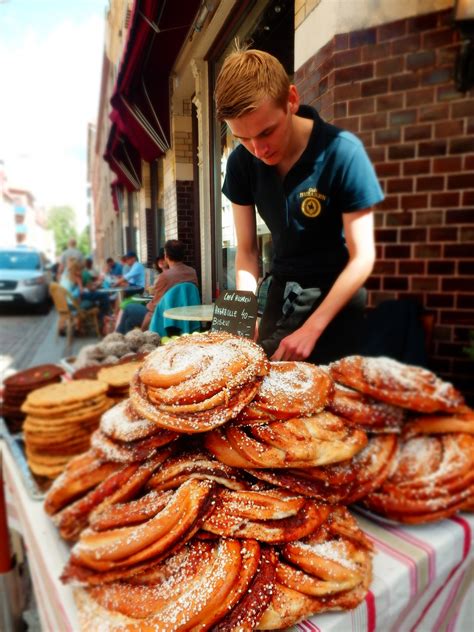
(137,315)
(135,277)
(71,279)
(89,275)
(159,265)
(113,268)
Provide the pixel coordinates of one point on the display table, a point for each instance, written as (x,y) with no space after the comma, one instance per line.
(190,312)
(422,575)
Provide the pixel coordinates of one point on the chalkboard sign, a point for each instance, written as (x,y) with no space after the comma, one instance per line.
(235,311)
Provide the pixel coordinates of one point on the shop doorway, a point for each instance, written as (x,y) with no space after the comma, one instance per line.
(269,26)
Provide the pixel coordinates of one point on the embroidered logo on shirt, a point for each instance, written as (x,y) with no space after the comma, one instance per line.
(311,205)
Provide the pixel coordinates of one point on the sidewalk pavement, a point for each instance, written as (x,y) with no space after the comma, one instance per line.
(27,341)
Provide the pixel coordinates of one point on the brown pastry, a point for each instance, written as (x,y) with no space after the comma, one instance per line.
(271,516)
(227,581)
(198,382)
(342,483)
(329,570)
(120,486)
(366,412)
(195,463)
(300,442)
(126,551)
(396,383)
(463,421)
(432,477)
(291,389)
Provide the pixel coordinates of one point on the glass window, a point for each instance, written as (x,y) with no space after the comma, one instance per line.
(11,260)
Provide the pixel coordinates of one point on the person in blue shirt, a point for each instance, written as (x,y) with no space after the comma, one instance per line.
(135,277)
(314,185)
(114,268)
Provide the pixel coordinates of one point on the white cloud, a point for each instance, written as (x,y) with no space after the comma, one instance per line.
(49,94)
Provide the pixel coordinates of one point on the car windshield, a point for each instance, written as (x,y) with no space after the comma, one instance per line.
(12,260)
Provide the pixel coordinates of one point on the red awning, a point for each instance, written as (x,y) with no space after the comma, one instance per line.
(116,190)
(124,160)
(141,108)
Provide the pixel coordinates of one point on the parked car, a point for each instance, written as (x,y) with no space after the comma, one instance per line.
(24,278)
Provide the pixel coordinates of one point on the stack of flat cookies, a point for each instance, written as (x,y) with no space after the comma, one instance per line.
(17,387)
(60,419)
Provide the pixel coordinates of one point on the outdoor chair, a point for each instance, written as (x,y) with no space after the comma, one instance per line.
(180,295)
(71,317)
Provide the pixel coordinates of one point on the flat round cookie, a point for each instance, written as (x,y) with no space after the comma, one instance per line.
(66,393)
(118,375)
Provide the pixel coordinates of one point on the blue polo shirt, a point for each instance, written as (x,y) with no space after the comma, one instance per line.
(136,275)
(304,211)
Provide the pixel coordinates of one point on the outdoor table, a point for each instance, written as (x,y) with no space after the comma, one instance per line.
(142,299)
(421,576)
(190,312)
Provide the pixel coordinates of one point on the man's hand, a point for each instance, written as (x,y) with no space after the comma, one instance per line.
(298,345)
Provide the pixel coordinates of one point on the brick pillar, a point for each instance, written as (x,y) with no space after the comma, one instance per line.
(393,86)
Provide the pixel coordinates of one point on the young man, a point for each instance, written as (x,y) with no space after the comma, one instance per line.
(135,277)
(174,272)
(313,185)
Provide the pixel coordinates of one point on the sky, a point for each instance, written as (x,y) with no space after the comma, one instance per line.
(50,65)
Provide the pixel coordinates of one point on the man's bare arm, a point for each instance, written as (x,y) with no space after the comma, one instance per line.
(246,258)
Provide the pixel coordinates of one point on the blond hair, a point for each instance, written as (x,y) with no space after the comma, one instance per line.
(246,78)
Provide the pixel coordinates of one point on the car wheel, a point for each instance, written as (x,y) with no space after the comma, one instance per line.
(44,307)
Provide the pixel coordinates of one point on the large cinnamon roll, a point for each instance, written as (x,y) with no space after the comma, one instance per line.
(329,570)
(463,421)
(119,486)
(366,412)
(83,473)
(102,556)
(223,583)
(396,383)
(431,478)
(341,483)
(290,389)
(199,382)
(271,516)
(299,442)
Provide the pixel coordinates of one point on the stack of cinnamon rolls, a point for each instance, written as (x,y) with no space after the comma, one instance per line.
(215,496)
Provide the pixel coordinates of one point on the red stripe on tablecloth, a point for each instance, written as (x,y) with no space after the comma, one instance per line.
(405,559)
(408,537)
(465,526)
(421,544)
(371,611)
(449,600)
(467,545)
(452,624)
(308,625)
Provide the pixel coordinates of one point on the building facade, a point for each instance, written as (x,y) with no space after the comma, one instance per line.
(381,69)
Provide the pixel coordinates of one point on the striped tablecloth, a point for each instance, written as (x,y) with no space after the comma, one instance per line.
(422,575)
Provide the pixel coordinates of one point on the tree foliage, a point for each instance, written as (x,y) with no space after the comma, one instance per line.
(62,220)
(84,242)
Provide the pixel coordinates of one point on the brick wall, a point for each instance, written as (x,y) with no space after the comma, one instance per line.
(185,214)
(392,85)
(183,146)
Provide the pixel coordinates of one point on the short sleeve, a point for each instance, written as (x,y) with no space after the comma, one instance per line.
(359,187)
(237,185)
